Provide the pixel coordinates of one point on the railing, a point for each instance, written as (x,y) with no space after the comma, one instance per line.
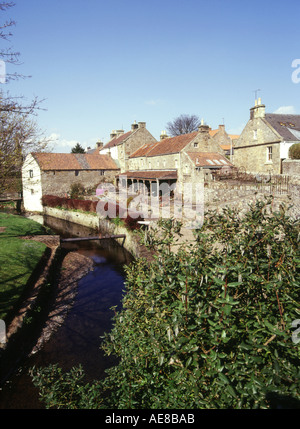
(99,237)
(272,183)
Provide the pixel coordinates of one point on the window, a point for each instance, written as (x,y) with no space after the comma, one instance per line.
(269,154)
(76,172)
(176,163)
(195,144)
(254,134)
(32,191)
(31,174)
(101,172)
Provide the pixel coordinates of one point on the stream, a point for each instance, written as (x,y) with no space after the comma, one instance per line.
(78,340)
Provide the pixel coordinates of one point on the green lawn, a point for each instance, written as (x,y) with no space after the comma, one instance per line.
(18,257)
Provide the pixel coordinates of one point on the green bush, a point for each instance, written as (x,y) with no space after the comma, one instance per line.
(210,326)
(294,151)
(68,390)
(77,191)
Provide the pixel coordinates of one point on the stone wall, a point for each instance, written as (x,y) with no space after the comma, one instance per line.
(291,167)
(218,195)
(105,226)
(59,182)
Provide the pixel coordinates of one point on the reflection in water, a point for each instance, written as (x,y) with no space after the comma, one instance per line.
(78,339)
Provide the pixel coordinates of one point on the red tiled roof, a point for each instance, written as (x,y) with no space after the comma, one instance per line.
(209,159)
(225,146)
(213,132)
(144,150)
(117,140)
(74,161)
(153,174)
(166,146)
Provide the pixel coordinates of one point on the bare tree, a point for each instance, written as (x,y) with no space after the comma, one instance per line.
(183,124)
(19,133)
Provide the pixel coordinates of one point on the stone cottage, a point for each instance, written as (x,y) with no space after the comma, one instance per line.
(121,145)
(188,158)
(226,141)
(265,141)
(54,173)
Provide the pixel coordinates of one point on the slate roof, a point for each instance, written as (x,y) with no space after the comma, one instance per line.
(74,161)
(285,125)
(209,159)
(166,146)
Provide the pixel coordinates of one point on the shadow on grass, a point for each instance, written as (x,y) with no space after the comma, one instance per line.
(18,284)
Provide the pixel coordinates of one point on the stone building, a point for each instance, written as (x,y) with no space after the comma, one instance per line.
(265,141)
(188,158)
(226,141)
(121,145)
(54,173)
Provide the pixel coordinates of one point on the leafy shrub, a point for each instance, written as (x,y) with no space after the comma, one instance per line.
(209,327)
(294,151)
(77,190)
(69,203)
(68,389)
(51,200)
(93,207)
(82,205)
(132,223)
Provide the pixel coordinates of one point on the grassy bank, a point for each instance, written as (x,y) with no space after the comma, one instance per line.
(18,258)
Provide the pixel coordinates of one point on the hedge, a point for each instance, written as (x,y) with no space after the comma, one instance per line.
(91,207)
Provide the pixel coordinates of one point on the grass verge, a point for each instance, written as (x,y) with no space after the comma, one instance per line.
(18,258)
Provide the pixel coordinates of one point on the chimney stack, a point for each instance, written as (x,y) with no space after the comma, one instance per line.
(99,145)
(134,126)
(113,134)
(203,128)
(258,111)
(163,135)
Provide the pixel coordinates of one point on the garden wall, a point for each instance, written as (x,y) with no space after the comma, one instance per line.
(104,226)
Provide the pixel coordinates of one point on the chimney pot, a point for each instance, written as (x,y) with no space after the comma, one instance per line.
(203,127)
(113,134)
(163,135)
(134,126)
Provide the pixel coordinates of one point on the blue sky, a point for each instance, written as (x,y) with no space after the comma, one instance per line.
(101,65)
